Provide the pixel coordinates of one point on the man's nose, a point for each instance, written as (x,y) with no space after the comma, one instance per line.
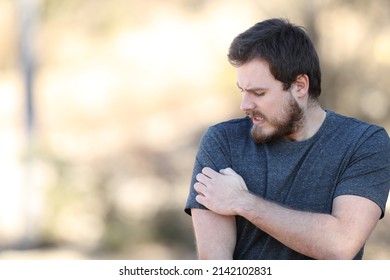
(246,102)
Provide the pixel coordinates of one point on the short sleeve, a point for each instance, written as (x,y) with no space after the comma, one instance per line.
(213,152)
(368,171)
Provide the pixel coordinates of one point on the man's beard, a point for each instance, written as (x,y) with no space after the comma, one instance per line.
(282,128)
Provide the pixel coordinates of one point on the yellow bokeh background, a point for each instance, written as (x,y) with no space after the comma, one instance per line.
(122,91)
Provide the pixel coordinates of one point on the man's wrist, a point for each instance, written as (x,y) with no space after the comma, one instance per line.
(246,204)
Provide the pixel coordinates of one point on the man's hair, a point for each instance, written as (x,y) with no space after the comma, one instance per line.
(286,48)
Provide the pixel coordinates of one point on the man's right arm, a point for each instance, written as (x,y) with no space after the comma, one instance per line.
(215,234)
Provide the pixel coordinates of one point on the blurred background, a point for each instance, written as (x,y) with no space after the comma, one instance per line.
(103,103)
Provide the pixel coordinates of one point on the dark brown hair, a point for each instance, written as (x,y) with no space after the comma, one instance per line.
(285,47)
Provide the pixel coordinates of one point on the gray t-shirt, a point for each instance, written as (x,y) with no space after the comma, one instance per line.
(345,157)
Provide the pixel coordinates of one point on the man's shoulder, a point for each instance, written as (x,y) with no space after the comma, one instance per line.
(352,124)
(355,130)
(229,131)
(237,125)
(233,122)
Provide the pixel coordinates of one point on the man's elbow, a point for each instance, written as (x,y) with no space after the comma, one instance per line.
(346,251)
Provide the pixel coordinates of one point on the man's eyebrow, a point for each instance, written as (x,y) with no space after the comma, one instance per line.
(252,89)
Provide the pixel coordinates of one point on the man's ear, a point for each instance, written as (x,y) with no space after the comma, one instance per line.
(301,85)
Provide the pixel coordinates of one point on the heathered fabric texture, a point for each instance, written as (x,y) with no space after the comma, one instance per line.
(345,157)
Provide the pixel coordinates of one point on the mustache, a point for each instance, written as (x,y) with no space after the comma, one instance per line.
(255,114)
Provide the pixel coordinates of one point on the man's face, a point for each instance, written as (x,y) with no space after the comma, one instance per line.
(274,112)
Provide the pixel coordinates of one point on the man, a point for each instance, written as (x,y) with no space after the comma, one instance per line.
(290,180)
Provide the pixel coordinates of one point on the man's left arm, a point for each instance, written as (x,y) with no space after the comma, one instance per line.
(339,235)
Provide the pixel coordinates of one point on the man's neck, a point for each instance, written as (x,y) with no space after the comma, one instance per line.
(313,119)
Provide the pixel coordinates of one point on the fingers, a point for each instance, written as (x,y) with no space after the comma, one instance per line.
(209,172)
(206,175)
(200,177)
(205,178)
(200,188)
(200,199)
(227,171)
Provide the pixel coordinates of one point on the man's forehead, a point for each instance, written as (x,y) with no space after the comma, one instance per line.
(254,74)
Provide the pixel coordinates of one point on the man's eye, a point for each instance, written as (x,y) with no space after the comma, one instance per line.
(259,93)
